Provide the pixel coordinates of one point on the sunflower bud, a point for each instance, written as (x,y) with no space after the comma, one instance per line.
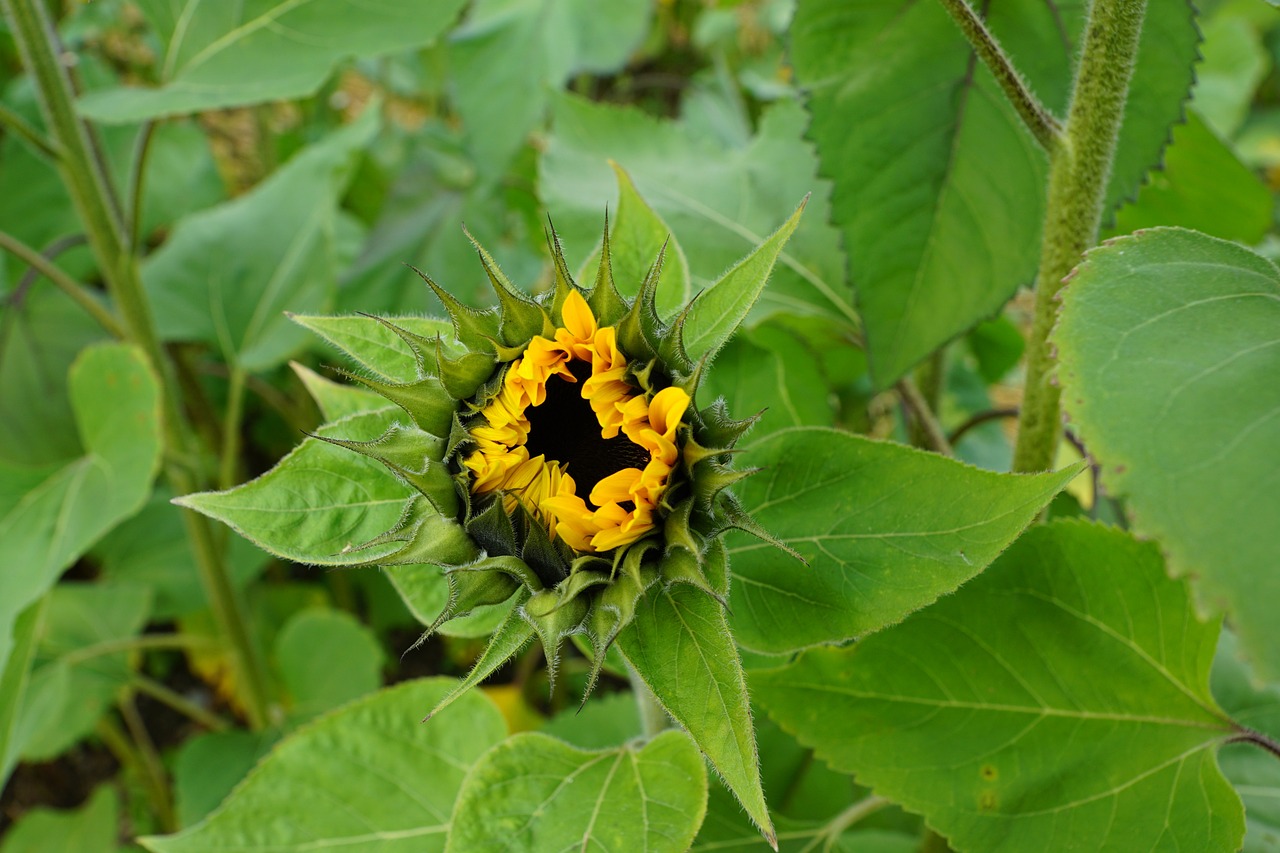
(559,457)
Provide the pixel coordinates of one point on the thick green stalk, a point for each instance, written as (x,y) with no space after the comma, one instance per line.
(92,195)
(1078,173)
(653,719)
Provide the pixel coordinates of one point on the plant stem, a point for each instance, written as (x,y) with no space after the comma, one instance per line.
(1258,739)
(230,456)
(150,763)
(33,137)
(137,182)
(178,702)
(978,420)
(653,719)
(1078,173)
(854,813)
(78,293)
(1042,124)
(130,758)
(134,644)
(923,418)
(95,201)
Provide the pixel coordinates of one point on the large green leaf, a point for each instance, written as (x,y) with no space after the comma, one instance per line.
(1058,701)
(368,777)
(680,645)
(533,792)
(509,55)
(721,202)
(216,55)
(1170,347)
(941,189)
(73,682)
(372,345)
(318,501)
(14,682)
(227,274)
(885,528)
(51,514)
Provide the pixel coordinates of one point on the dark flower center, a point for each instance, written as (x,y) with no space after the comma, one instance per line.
(564,429)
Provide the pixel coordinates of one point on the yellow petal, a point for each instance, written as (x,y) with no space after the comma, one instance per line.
(578,319)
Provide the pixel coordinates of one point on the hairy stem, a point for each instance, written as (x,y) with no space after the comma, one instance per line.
(1042,124)
(1078,173)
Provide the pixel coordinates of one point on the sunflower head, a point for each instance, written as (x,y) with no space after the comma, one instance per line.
(559,457)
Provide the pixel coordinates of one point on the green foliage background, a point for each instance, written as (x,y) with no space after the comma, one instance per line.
(931,677)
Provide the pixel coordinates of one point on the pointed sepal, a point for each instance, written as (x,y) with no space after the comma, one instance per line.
(511,636)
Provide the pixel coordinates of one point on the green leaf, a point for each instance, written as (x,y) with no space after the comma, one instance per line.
(372,345)
(369,777)
(90,829)
(326,659)
(636,235)
(227,274)
(886,529)
(1169,347)
(510,54)
(208,766)
(721,202)
(770,370)
(51,514)
(320,500)
(214,56)
(1202,185)
(337,400)
(680,645)
(1058,701)
(43,333)
(941,191)
(720,308)
(15,681)
(72,684)
(603,721)
(1235,62)
(151,549)
(1254,772)
(533,792)
(425,591)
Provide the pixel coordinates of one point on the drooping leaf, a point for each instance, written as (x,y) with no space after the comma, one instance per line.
(680,645)
(368,776)
(214,56)
(509,55)
(533,792)
(51,514)
(326,659)
(720,202)
(1170,346)
(1058,701)
(886,529)
(71,685)
(941,191)
(227,274)
(320,500)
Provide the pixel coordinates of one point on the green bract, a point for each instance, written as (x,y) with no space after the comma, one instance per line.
(520,557)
